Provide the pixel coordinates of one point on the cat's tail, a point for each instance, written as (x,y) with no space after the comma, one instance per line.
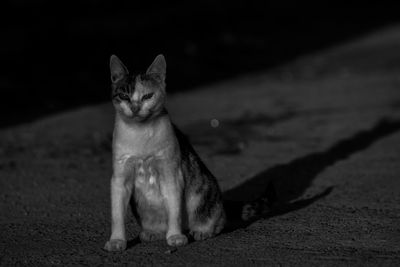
(247,211)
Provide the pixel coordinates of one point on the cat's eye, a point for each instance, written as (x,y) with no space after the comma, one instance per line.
(123,96)
(147,96)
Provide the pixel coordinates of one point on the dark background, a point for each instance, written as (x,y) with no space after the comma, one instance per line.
(55,54)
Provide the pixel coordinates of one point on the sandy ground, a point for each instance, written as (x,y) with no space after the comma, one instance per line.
(323,130)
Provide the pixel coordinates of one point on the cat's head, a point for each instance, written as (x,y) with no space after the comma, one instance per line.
(138,97)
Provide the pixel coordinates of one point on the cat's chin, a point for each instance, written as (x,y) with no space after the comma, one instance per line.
(139,118)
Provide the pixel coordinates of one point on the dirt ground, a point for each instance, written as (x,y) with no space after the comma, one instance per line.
(323,130)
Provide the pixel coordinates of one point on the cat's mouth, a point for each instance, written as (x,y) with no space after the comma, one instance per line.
(131,112)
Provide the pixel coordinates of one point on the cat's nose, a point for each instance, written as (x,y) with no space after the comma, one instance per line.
(135,107)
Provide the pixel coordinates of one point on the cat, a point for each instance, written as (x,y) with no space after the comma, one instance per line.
(171,190)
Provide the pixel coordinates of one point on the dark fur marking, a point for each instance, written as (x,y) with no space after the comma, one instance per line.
(207,188)
(125,85)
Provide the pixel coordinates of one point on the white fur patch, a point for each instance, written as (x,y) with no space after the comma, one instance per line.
(123,158)
(135,96)
(147,184)
(127,110)
(140,176)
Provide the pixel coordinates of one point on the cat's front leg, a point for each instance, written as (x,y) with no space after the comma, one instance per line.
(172,190)
(121,190)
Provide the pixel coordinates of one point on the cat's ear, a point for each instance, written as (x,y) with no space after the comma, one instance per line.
(158,66)
(117,68)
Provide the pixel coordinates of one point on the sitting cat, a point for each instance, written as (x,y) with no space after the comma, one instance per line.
(172,190)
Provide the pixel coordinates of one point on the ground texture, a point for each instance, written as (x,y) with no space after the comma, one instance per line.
(323,130)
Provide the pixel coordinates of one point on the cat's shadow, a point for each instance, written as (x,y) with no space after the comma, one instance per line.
(283,184)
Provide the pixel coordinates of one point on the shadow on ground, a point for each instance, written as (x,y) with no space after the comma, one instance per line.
(285,183)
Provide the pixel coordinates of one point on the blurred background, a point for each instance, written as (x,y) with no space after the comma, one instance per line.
(55,53)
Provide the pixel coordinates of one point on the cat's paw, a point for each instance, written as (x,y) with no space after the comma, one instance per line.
(115,245)
(148,236)
(177,240)
(197,235)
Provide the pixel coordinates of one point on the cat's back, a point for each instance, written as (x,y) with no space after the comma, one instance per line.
(203,194)
(193,168)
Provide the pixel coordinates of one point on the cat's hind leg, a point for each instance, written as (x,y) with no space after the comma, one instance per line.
(209,227)
(206,218)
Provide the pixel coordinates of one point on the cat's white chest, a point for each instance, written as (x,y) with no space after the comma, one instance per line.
(144,150)
(133,144)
